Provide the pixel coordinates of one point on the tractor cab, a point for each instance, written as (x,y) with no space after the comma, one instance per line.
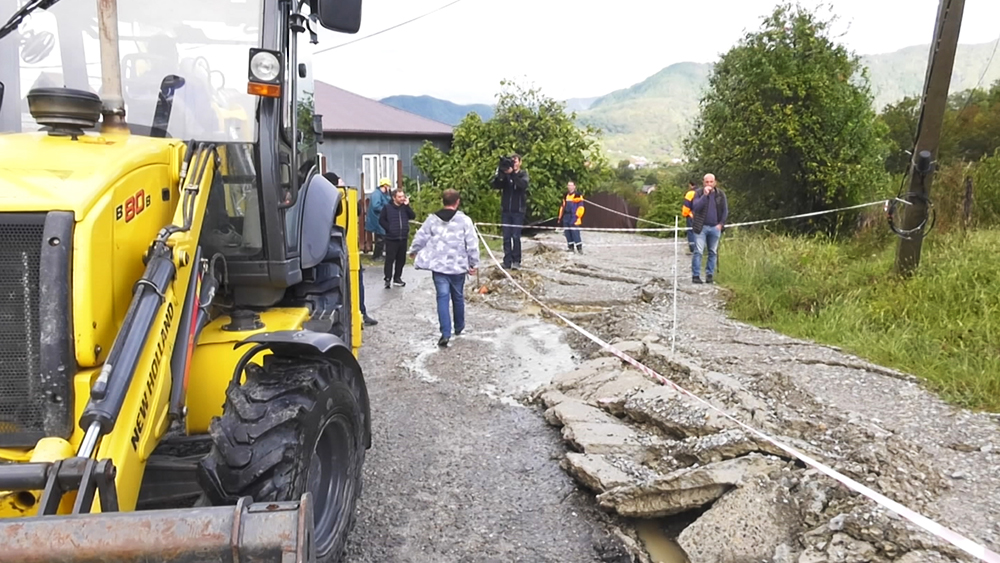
(233,73)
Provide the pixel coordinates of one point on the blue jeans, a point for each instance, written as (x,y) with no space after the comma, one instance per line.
(450,289)
(690,235)
(511,237)
(361,290)
(572,235)
(707,238)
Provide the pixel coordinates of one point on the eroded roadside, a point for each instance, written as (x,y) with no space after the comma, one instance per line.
(647,452)
(460,471)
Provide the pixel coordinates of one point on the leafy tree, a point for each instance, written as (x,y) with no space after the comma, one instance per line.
(553,150)
(304,123)
(624,172)
(970,131)
(900,121)
(787,123)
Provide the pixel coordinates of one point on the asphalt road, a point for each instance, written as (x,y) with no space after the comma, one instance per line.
(458,470)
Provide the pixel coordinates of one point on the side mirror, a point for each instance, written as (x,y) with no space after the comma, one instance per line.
(317,127)
(339,15)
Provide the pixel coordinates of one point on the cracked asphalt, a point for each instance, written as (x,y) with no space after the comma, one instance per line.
(459,470)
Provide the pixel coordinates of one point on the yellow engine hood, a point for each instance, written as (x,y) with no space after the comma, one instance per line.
(39,172)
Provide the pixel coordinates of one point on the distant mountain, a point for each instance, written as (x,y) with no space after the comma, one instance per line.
(580,104)
(438,109)
(452,113)
(899,74)
(652,118)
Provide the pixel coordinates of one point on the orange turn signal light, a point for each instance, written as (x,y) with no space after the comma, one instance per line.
(266,90)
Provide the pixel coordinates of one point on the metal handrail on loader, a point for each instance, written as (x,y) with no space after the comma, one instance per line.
(274,532)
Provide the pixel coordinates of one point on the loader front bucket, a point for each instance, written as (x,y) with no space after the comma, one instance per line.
(279,532)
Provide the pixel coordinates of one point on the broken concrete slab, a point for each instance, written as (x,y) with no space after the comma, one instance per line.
(748,523)
(613,394)
(591,373)
(589,429)
(595,472)
(574,410)
(601,438)
(727,444)
(685,489)
(551,398)
(674,413)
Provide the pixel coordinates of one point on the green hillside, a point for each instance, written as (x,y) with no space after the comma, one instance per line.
(900,74)
(437,109)
(651,119)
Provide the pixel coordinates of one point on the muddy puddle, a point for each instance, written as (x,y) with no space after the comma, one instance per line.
(656,540)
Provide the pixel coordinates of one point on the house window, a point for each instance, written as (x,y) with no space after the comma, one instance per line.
(377,166)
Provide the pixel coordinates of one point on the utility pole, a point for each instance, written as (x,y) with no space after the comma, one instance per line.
(933,106)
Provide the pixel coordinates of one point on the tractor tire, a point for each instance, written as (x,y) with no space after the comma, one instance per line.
(296,425)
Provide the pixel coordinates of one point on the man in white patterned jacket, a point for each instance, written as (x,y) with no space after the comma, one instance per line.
(447,245)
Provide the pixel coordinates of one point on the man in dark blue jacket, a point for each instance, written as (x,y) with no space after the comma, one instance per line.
(512,182)
(395,219)
(710,213)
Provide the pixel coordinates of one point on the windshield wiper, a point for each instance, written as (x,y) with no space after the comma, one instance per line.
(25,11)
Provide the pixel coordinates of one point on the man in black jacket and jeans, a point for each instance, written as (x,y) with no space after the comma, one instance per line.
(513,185)
(710,210)
(395,219)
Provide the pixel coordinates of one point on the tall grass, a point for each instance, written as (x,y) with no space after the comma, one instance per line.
(942,325)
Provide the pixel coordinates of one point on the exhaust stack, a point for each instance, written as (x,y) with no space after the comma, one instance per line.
(113,102)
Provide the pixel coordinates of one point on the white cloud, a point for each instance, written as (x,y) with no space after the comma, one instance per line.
(587,47)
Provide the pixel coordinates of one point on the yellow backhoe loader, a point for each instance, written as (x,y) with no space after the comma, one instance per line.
(179,314)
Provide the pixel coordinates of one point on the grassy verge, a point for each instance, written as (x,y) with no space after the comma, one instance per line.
(942,325)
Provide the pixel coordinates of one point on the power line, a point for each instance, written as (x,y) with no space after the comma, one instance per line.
(386,29)
(983,75)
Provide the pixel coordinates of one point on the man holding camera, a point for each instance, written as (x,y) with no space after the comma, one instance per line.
(512,182)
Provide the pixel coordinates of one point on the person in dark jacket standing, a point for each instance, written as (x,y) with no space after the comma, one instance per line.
(395,219)
(710,213)
(512,182)
(570,216)
(377,201)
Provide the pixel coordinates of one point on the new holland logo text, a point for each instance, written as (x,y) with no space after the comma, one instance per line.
(154,372)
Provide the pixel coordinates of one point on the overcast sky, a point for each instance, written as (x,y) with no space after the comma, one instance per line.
(582,48)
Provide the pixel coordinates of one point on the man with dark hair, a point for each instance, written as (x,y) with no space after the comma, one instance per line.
(395,220)
(512,182)
(446,244)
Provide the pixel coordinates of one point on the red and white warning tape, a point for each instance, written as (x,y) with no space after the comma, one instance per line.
(965,544)
(595,245)
(672,229)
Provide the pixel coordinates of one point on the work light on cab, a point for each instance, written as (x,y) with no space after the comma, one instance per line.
(265,73)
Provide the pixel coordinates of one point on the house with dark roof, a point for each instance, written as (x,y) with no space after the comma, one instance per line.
(365,140)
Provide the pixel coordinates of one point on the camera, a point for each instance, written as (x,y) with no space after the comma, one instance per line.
(505,163)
